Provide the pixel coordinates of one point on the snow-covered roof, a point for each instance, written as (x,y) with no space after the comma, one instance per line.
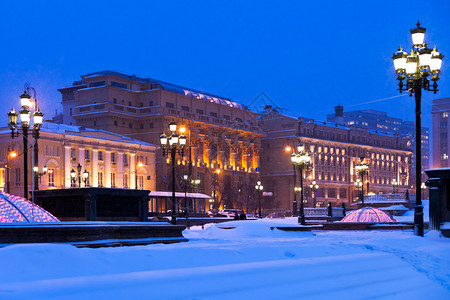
(89,132)
(171,87)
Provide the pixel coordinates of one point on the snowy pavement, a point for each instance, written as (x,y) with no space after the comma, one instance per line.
(249,261)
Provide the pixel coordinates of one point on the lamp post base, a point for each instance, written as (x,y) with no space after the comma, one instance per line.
(301,219)
(418,220)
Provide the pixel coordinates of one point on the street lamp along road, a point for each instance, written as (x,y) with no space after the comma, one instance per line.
(76,176)
(259,188)
(362,169)
(300,160)
(394,185)
(358,185)
(176,144)
(25,115)
(417,68)
(314,187)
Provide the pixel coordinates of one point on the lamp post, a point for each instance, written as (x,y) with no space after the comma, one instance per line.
(362,169)
(394,185)
(194,183)
(215,181)
(25,101)
(259,188)
(38,174)
(358,186)
(300,160)
(416,68)
(76,176)
(314,187)
(176,145)
(423,187)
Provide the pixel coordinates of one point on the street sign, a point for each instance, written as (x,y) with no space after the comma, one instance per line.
(267,194)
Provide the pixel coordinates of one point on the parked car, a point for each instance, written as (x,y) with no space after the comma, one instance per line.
(230,212)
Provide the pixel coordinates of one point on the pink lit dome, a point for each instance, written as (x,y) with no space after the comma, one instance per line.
(17,209)
(369,215)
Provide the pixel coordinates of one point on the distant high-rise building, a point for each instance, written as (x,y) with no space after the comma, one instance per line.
(440,112)
(382,123)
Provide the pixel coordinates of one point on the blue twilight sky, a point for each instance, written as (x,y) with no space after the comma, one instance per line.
(307,56)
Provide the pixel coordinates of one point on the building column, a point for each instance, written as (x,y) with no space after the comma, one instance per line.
(120,170)
(133,170)
(108,168)
(67,165)
(233,159)
(94,168)
(206,156)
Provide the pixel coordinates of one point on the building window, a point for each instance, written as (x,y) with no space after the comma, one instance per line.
(98,83)
(100,179)
(115,123)
(170,105)
(125,159)
(113,179)
(200,111)
(115,100)
(51,177)
(100,155)
(70,111)
(445,114)
(140,182)
(444,156)
(73,154)
(226,117)
(118,84)
(87,154)
(17,181)
(185,108)
(213,114)
(125,180)
(150,103)
(150,125)
(113,157)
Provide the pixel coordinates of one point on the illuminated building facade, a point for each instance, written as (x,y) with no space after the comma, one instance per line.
(335,150)
(380,122)
(111,160)
(440,118)
(222,134)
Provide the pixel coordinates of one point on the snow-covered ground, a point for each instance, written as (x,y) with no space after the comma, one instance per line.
(237,260)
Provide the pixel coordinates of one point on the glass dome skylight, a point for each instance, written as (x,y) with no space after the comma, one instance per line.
(18,209)
(369,215)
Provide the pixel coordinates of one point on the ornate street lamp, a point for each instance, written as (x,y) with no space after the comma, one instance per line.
(362,169)
(300,160)
(76,176)
(394,185)
(176,144)
(259,188)
(194,183)
(314,187)
(418,68)
(358,186)
(25,115)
